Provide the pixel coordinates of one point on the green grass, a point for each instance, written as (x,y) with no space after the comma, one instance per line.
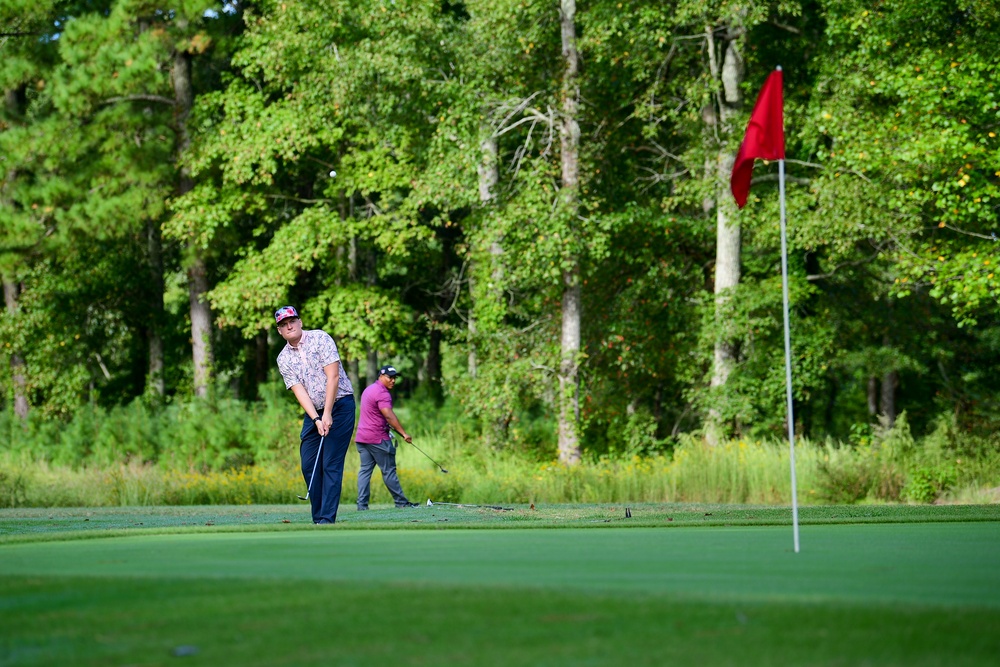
(98,621)
(705,563)
(31,524)
(879,585)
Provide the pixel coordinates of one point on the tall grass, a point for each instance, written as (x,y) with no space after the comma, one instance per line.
(203,435)
(735,472)
(238,453)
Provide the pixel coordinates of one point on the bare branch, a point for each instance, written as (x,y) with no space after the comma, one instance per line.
(540,367)
(657,177)
(522,150)
(771,178)
(662,69)
(861,175)
(104,368)
(520,106)
(805,164)
(831,272)
(698,37)
(301,201)
(318,161)
(906,249)
(140,98)
(789,28)
(372,209)
(991,237)
(677,425)
(659,150)
(457,283)
(820,166)
(532,118)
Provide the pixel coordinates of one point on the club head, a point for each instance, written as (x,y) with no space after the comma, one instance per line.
(444,471)
(303,498)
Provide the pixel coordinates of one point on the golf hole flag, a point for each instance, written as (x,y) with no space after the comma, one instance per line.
(765,137)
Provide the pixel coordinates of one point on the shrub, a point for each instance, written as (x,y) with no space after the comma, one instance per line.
(13,488)
(928,483)
(236,486)
(845,482)
(231,452)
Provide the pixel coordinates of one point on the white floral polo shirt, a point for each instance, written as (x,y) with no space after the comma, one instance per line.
(304,365)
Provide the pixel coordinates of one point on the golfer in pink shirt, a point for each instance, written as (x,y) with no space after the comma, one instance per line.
(374,442)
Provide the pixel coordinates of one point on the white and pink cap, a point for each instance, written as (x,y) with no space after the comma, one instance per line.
(284,313)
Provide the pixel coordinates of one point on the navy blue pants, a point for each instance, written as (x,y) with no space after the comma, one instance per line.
(325,492)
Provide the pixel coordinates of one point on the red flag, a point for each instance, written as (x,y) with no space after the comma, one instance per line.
(765,137)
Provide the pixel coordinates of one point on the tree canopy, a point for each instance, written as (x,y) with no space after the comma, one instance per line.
(451,185)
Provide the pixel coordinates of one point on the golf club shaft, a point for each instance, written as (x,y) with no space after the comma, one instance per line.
(489,507)
(319,451)
(428,456)
(422,452)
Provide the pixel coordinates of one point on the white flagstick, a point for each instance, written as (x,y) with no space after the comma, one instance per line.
(788,353)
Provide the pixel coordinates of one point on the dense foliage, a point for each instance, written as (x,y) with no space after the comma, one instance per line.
(170,174)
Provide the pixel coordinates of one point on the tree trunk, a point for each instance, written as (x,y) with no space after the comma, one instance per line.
(154,381)
(433,363)
(569,135)
(727,227)
(371,370)
(353,365)
(872,395)
(435,314)
(890,381)
(354,375)
(11,291)
(201,327)
(489,176)
(370,262)
(473,360)
(11,288)
(201,314)
(262,364)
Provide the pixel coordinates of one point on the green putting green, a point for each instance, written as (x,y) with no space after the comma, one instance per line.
(926,593)
(889,563)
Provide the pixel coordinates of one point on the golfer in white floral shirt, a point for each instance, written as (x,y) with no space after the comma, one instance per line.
(310,365)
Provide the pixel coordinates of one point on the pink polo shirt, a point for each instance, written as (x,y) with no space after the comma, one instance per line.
(373,427)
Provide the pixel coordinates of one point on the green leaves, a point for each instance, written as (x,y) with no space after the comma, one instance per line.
(363,316)
(261,279)
(342,158)
(924,140)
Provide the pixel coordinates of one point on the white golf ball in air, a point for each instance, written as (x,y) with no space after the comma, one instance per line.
(333,174)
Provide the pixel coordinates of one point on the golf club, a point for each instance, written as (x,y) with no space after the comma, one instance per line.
(421,451)
(430,503)
(319,451)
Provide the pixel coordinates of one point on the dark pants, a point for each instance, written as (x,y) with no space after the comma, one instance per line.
(384,456)
(325,492)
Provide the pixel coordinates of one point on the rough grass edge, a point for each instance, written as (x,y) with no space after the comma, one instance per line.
(679,518)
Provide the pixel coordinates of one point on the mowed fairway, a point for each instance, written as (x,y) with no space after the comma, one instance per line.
(890,594)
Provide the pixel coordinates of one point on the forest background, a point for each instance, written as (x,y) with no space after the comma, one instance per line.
(523,205)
